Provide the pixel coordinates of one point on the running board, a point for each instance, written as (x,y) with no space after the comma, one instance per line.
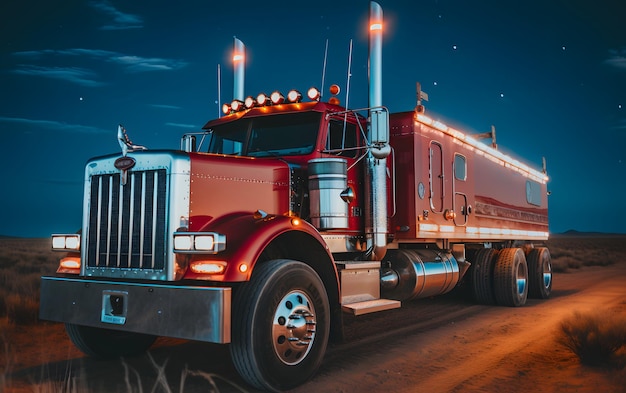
(370,306)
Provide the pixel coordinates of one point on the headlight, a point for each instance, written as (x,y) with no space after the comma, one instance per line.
(66,242)
(199,242)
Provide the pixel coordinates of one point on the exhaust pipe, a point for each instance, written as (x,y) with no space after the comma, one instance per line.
(378,135)
(239,62)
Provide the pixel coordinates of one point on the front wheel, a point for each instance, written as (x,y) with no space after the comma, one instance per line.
(280,325)
(107,343)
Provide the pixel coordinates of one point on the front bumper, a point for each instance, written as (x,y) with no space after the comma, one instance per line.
(195,313)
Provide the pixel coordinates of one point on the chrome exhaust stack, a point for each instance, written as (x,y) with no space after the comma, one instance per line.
(239,62)
(378,136)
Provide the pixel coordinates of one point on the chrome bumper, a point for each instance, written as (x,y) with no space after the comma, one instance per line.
(195,313)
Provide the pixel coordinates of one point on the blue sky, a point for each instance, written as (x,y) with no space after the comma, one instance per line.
(550,75)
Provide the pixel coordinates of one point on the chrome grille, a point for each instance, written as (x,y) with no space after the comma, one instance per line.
(127,222)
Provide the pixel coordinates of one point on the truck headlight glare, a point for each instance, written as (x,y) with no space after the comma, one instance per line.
(205,243)
(199,242)
(182,243)
(66,242)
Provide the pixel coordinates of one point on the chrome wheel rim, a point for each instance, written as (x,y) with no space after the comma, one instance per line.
(293,327)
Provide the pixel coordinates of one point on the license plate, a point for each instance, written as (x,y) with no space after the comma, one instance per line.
(114,307)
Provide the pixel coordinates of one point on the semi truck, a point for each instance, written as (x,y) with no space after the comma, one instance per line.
(263,230)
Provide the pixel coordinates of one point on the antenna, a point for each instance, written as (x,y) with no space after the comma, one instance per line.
(349,74)
(219,91)
(324,69)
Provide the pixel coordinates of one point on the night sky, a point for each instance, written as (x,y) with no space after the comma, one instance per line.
(550,75)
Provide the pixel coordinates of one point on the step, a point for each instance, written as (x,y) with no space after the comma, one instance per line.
(370,306)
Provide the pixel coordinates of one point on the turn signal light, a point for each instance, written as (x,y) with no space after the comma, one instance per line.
(208,267)
(69,265)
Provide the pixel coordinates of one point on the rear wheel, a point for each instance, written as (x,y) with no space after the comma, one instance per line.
(482,276)
(107,343)
(280,325)
(511,278)
(539,273)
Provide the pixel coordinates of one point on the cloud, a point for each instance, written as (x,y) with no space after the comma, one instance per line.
(86,77)
(179,125)
(53,125)
(131,63)
(617,58)
(163,106)
(79,76)
(121,20)
(141,64)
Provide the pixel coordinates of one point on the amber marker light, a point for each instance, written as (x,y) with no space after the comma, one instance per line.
(295,221)
(208,267)
(243,268)
(69,264)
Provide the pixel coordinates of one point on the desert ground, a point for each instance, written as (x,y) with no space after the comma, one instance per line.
(443,344)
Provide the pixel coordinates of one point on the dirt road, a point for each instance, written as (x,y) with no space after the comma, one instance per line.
(446,344)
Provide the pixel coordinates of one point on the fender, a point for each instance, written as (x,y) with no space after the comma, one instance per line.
(247,236)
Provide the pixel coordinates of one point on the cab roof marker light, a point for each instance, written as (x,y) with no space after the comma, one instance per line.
(314,94)
(277,98)
(262,99)
(226,109)
(294,96)
(237,105)
(250,102)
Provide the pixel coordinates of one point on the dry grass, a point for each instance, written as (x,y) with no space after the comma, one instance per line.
(22,263)
(596,338)
(574,252)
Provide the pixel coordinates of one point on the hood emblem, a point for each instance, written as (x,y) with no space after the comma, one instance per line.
(125,163)
(125,142)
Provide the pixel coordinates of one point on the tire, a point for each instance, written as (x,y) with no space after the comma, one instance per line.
(107,343)
(482,276)
(539,273)
(510,278)
(280,325)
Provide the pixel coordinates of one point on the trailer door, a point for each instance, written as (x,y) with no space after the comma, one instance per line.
(459,185)
(436,177)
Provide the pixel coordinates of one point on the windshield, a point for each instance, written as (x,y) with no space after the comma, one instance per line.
(278,135)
